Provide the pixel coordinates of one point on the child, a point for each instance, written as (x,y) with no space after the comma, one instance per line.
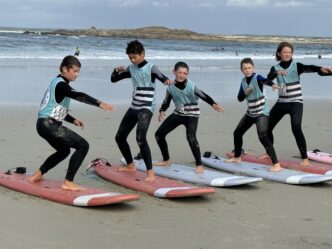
(53,110)
(143,75)
(290,99)
(185,95)
(257,113)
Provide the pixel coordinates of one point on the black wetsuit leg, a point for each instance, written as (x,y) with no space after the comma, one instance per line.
(128,123)
(62,139)
(296,113)
(132,117)
(144,118)
(295,110)
(245,123)
(191,124)
(262,124)
(169,124)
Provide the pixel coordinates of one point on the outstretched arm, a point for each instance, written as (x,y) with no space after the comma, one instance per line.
(323,71)
(208,99)
(157,74)
(120,73)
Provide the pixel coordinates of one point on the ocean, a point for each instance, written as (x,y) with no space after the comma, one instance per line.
(29,61)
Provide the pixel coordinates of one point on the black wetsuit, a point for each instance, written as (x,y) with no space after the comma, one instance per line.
(174,120)
(62,138)
(261,121)
(141,117)
(294,109)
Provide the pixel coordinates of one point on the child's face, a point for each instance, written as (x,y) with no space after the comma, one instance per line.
(181,74)
(285,54)
(247,69)
(70,74)
(136,58)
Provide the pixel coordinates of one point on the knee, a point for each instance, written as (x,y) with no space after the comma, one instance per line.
(64,152)
(118,138)
(158,135)
(191,139)
(263,137)
(84,145)
(296,128)
(237,134)
(141,140)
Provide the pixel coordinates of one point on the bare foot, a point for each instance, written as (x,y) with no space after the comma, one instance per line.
(68,185)
(262,157)
(199,169)
(276,167)
(163,163)
(233,160)
(129,167)
(305,163)
(150,176)
(37,177)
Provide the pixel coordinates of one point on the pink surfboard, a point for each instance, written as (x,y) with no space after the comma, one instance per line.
(319,156)
(317,168)
(160,187)
(51,190)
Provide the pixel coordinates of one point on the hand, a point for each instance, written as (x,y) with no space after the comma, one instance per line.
(282,72)
(275,86)
(106,107)
(248,90)
(169,82)
(218,108)
(78,123)
(120,69)
(161,116)
(326,70)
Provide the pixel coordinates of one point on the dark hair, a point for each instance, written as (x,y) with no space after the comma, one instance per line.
(281,46)
(180,64)
(246,61)
(70,61)
(134,47)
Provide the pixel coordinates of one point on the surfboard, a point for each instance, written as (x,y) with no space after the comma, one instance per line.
(315,168)
(51,190)
(259,170)
(187,174)
(160,187)
(319,156)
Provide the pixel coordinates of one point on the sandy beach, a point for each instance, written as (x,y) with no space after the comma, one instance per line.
(262,215)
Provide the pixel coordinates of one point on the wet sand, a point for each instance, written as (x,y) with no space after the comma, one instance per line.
(262,215)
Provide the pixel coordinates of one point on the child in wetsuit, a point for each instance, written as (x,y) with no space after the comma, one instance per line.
(257,113)
(143,75)
(53,111)
(185,95)
(290,99)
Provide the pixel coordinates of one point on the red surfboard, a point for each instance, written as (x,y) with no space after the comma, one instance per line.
(317,168)
(160,187)
(51,190)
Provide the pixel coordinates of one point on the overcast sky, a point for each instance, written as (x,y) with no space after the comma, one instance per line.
(270,17)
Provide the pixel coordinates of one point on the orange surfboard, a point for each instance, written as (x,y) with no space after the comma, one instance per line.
(160,187)
(51,190)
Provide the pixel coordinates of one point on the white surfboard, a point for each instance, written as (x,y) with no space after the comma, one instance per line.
(187,174)
(259,170)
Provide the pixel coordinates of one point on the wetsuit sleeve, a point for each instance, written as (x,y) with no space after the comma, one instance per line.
(156,74)
(69,118)
(116,76)
(166,102)
(199,93)
(310,69)
(272,74)
(307,68)
(65,90)
(263,81)
(241,95)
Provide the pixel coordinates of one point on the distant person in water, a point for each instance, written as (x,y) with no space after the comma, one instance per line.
(185,95)
(53,111)
(290,101)
(77,51)
(143,75)
(257,113)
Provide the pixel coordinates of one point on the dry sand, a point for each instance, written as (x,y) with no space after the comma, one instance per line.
(262,215)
